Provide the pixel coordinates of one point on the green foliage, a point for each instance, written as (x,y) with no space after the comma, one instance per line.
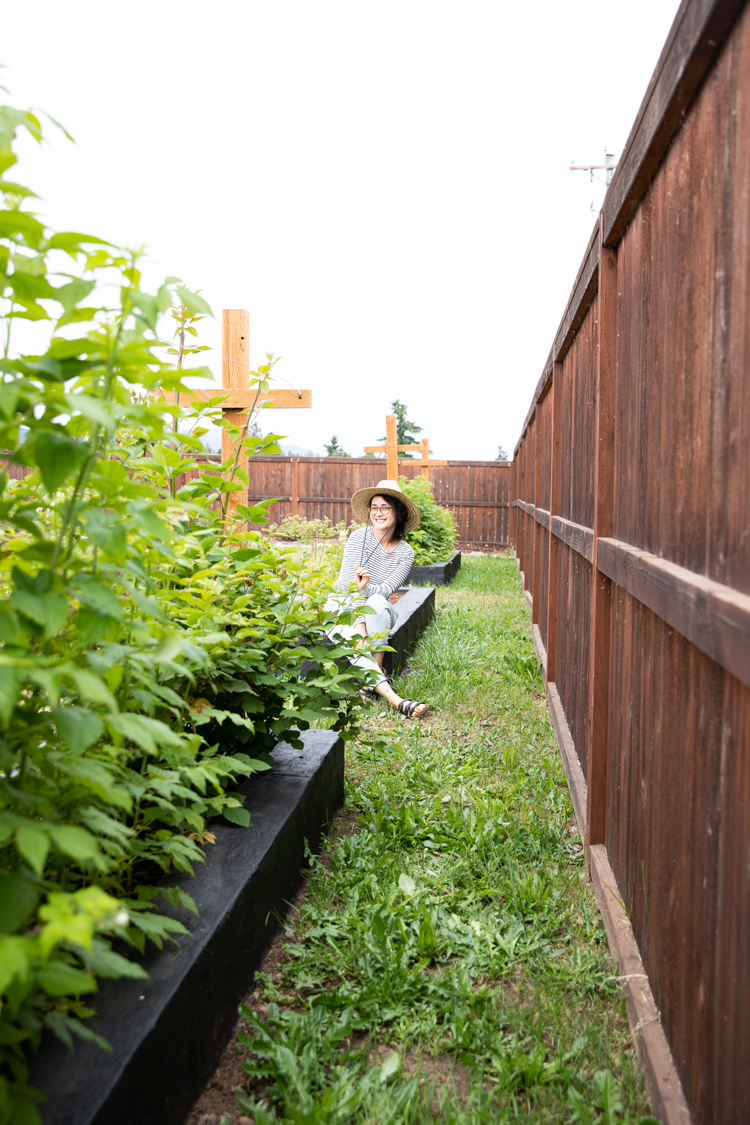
(437,535)
(406,430)
(150,648)
(333,449)
(302,530)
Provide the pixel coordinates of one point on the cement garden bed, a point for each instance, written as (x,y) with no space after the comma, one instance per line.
(168,1032)
(436,574)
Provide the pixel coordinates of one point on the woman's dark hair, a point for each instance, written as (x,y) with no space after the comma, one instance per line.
(401,513)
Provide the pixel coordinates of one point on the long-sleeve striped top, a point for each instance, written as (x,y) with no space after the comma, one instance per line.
(388,569)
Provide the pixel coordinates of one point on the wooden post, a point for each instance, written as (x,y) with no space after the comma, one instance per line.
(295,486)
(235,337)
(556,391)
(425,470)
(604,483)
(391,446)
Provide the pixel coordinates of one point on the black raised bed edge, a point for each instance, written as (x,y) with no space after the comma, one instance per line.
(415,611)
(436,574)
(168,1032)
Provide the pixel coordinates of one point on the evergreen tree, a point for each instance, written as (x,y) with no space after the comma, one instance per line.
(406,431)
(333,449)
(502,455)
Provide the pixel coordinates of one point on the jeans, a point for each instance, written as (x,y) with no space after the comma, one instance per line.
(382,621)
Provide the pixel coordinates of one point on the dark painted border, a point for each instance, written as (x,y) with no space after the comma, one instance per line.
(168,1032)
(415,612)
(436,574)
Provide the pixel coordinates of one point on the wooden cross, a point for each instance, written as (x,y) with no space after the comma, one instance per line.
(235,366)
(392,450)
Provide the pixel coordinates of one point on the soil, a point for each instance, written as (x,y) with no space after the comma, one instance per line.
(397,596)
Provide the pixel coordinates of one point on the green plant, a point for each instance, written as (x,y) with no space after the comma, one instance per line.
(143,632)
(436,537)
(302,530)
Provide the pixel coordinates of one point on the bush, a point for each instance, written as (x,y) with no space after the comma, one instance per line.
(437,535)
(302,530)
(150,649)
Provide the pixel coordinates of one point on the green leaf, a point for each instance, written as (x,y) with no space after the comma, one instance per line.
(99,597)
(71,294)
(94,627)
(237,816)
(57,455)
(406,884)
(18,899)
(78,727)
(91,687)
(79,844)
(146,733)
(48,610)
(33,845)
(10,688)
(193,302)
(107,531)
(607,1096)
(59,979)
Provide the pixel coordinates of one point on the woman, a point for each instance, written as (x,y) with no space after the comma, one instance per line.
(377,560)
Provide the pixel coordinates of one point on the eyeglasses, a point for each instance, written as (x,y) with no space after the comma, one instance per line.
(385,509)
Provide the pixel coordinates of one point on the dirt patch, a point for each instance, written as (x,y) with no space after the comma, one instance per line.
(396,597)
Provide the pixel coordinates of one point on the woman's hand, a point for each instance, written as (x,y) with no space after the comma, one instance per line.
(361,577)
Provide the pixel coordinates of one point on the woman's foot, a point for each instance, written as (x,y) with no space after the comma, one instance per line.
(412,708)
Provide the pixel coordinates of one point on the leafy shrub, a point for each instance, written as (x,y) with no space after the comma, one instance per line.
(150,649)
(437,535)
(302,530)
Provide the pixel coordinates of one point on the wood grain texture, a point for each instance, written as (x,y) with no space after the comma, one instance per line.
(713,617)
(235,367)
(245,399)
(574,535)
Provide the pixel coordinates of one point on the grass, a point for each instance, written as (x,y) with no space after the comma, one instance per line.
(447,961)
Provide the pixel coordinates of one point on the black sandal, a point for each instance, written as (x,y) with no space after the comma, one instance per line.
(367,693)
(407,707)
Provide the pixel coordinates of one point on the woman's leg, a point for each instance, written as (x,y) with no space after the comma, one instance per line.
(384,619)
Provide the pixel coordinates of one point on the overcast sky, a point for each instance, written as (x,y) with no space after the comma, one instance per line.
(384,186)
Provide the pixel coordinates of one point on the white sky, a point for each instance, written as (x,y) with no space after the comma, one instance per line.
(384,186)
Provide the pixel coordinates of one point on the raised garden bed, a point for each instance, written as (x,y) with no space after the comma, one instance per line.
(416,609)
(168,1032)
(436,574)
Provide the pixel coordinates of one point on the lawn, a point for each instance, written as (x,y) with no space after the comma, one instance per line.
(446,961)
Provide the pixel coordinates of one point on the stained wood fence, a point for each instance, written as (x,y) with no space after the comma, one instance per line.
(631,516)
(314,487)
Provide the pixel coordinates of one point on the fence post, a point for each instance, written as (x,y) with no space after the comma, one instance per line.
(295,486)
(556,391)
(601,604)
(235,336)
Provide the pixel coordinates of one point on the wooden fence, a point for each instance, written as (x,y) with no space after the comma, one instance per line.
(314,487)
(631,516)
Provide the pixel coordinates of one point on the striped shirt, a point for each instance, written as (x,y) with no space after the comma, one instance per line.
(388,569)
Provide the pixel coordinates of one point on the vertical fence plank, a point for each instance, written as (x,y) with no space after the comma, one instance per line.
(556,393)
(604,484)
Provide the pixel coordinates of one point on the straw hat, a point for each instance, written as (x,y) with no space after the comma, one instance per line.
(362,497)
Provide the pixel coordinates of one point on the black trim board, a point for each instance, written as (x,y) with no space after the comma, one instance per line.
(168,1032)
(436,574)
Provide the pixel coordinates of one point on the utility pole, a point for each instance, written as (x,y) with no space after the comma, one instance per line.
(608,167)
